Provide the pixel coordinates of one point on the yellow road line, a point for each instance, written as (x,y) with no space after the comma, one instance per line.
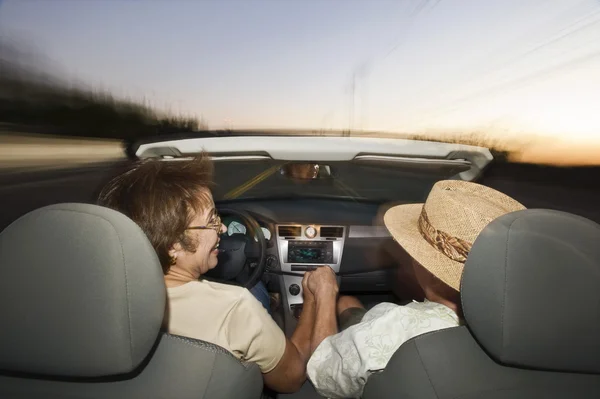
(236,192)
(346,188)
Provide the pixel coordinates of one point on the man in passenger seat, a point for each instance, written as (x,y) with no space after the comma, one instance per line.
(438,236)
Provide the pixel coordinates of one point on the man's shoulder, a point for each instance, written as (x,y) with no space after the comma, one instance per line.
(430,311)
(381,310)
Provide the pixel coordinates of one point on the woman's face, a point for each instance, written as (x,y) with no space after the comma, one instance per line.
(207,240)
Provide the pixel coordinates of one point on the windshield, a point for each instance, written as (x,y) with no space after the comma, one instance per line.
(345,180)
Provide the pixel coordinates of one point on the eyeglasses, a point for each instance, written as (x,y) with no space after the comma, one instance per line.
(214,224)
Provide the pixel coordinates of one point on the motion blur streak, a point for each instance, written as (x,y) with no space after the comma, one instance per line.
(19,151)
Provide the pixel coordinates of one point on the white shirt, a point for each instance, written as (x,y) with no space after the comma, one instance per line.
(342,363)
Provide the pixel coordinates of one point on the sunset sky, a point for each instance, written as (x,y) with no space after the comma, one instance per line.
(516,66)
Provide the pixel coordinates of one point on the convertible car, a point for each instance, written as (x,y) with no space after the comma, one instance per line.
(290,204)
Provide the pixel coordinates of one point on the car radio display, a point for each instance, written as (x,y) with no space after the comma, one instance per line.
(310,252)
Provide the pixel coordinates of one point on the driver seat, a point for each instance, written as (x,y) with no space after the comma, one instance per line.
(82,300)
(531,299)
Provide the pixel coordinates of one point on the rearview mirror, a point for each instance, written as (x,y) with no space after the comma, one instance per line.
(305,171)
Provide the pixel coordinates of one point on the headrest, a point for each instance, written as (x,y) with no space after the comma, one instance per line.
(531,291)
(81,293)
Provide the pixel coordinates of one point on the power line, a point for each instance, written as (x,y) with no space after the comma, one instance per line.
(520,82)
(420,6)
(559,38)
(435,5)
(413,15)
(362,70)
(552,41)
(498,64)
(365,68)
(530,51)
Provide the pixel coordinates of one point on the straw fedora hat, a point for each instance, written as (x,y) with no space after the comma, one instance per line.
(439,233)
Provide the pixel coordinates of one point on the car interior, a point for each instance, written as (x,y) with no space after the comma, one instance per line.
(104,337)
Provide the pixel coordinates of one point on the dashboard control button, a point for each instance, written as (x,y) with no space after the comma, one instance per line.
(294,289)
(310,232)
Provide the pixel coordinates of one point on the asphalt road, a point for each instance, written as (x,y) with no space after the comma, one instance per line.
(37,151)
(35,171)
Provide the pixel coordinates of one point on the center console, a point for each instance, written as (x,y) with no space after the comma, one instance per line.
(305,247)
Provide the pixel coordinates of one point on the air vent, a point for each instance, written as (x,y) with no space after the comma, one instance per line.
(332,232)
(289,231)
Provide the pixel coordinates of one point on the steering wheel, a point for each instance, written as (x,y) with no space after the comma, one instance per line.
(241,258)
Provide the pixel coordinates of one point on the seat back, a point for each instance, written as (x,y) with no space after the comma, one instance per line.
(531,302)
(178,367)
(83,297)
(450,363)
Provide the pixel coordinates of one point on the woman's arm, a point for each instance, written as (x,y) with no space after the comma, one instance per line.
(317,318)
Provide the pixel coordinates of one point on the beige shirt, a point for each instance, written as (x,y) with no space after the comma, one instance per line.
(228,316)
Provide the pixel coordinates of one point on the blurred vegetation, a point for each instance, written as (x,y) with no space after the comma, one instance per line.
(34,100)
(497,146)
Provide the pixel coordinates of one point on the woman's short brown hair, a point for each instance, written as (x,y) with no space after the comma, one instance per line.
(162,197)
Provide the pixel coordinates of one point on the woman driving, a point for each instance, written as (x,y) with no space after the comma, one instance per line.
(171,201)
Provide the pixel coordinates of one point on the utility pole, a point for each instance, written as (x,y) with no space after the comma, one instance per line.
(352,103)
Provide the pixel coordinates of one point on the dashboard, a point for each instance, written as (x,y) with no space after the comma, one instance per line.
(310,252)
(304,247)
(236,227)
(304,234)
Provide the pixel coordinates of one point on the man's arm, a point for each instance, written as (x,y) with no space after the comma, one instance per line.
(325,305)
(317,312)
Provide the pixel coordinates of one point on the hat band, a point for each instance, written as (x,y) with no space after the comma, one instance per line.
(452,247)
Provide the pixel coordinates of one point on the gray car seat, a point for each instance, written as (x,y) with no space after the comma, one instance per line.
(531,299)
(82,300)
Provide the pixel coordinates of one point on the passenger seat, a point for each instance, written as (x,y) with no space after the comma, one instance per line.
(531,299)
